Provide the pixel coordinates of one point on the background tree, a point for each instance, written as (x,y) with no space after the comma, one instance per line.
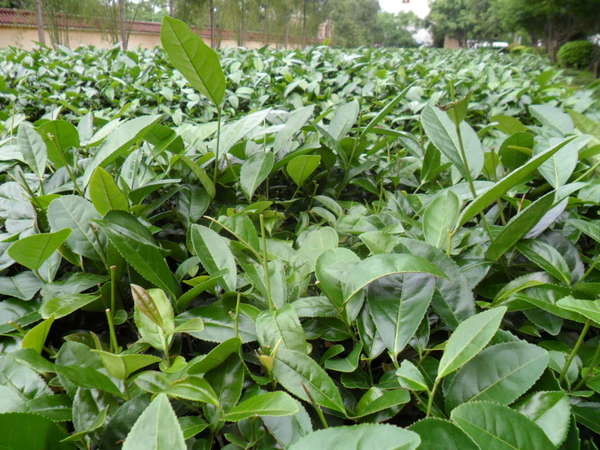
(355,22)
(396,30)
(463,20)
(552,21)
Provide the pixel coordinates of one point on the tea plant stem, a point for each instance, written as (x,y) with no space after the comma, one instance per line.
(113,287)
(265,264)
(216,168)
(574,351)
(590,269)
(317,408)
(73,179)
(432,396)
(114,346)
(593,364)
(237,316)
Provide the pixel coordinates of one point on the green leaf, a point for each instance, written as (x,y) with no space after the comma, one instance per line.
(105,194)
(547,258)
(397,304)
(194,388)
(347,364)
(215,357)
(295,121)
(34,250)
(219,323)
(551,411)
(122,421)
(468,339)
(379,266)
(299,373)
(301,167)
(331,269)
(254,171)
(288,429)
(66,304)
(410,377)
(36,337)
(135,243)
(120,142)
(359,437)
(590,309)
(201,174)
(388,108)
(23,285)
(60,136)
(558,169)
(198,63)
(156,429)
(191,426)
(439,218)
(281,327)
(509,125)
(512,179)
(267,404)
(343,120)
(497,427)
(442,132)
(553,118)
(123,365)
(57,408)
(314,243)
(376,399)
(88,377)
(214,254)
(500,373)
(32,148)
(519,226)
(78,214)
(25,431)
(434,431)
(153,315)
(587,227)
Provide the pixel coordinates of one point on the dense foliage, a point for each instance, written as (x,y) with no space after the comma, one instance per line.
(288,249)
(578,54)
(552,22)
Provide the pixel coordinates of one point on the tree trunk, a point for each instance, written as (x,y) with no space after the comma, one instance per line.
(172,8)
(211,16)
(241,37)
(39,17)
(122,17)
(267,28)
(304,22)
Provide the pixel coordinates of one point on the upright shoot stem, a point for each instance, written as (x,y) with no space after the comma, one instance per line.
(265,264)
(432,396)
(217,151)
(574,351)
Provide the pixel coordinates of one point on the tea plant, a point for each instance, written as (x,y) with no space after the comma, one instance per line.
(415,268)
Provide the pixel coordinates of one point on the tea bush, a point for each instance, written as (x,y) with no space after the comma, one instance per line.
(305,249)
(577,54)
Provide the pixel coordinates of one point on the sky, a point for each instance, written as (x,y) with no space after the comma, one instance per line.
(419,7)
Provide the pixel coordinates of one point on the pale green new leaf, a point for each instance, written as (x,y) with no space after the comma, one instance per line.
(156,429)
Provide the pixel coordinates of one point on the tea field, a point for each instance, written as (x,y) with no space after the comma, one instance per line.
(308,249)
